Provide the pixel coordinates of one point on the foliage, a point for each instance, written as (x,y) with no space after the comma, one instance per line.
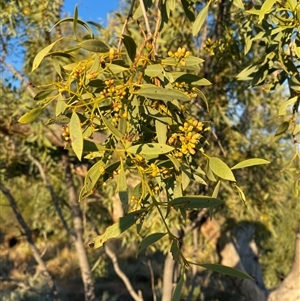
(141,101)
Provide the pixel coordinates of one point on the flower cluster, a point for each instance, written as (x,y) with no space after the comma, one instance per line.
(182,87)
(180,54)
(187,138)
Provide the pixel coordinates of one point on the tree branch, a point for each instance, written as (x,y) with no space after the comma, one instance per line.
(121,274)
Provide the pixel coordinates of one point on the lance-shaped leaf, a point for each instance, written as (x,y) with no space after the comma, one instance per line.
(266,8)
(191,202)
(150,149)
(177,293)
(155,92)
(94,45)
(40,56)
(224,270)
(87,27)
(219,168)
(112,128)
(76,135)
(122,186)
(149,240)
(200,19)
(91,179)
(116,229)
(250,162)
(282,128)
(130,46)
(31,115)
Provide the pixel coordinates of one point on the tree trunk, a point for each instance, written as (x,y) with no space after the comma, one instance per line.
(240,253)
(169,268)
(86,274)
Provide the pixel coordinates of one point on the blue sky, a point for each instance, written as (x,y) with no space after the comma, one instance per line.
(92,10)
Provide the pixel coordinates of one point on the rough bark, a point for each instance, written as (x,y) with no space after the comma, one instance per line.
(28,235)
(78,230)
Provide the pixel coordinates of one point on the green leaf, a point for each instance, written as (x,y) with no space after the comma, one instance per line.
(75,20)
(200,19)
(112,128)
(247,73)
(150,149)
(224,270)
(61,119)
(295,189)
(91,179)
(161,131)
(31,115)
(171,4)
(186,176)
(202,96)
(282,109)
(238,4)
(130,46)
(154,92)
(122,186)
(149,240)
(154,70)
(220,169)
(266,8)
(43,94)
(177,292)
(190,78)
(85,25)
(40,56)
(76,135)
(250,162)
(296,129)
(117,228)
(190,202)
(282,128)
(188,9)
(193,61)
(94,45)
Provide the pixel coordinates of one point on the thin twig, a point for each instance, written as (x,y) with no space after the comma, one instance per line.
(157,26)
(146,18)
(152,279)
(121,274)
(125,24)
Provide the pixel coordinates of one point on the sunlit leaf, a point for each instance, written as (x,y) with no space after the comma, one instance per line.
(238,4)
(220,169)
(250,162)
(117,228)
(155,92)
(31,115)
(40,56)
(282,128)
(200,19)
(91,179)
(150,149)
(112,128)
(76,135)
(266,8)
